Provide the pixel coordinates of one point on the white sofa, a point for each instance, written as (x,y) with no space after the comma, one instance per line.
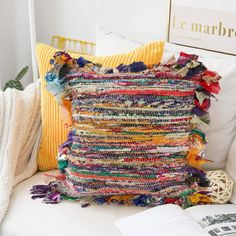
(27,217)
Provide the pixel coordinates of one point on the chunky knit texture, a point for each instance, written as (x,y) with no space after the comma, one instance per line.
(135,136)
(20,131)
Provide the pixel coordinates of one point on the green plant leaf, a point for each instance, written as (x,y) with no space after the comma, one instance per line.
(14,85)
(22,73)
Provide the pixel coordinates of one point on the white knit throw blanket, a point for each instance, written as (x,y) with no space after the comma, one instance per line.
(20,132)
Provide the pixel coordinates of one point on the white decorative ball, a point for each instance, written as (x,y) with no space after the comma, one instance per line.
(221,186)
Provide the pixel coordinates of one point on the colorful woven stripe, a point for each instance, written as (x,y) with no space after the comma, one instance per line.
(135,136)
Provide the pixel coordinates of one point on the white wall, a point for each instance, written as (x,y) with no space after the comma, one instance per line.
(144,20)
(14,40)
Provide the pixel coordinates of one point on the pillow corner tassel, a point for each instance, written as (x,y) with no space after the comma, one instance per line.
(49,193)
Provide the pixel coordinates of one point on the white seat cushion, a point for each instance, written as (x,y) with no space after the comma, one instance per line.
(27,217)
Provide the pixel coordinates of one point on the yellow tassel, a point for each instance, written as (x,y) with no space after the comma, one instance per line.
(124,199)
(199,198)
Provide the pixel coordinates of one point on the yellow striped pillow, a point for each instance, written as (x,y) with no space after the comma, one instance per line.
(54,131)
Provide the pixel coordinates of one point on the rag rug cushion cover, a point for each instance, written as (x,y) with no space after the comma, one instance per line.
(135,138)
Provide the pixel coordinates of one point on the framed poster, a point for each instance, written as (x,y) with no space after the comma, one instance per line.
(205,28)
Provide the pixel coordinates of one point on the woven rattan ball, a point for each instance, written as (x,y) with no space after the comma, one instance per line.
(221,186)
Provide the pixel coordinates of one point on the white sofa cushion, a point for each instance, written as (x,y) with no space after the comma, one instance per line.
(222,128)
(27,217)
(109,43)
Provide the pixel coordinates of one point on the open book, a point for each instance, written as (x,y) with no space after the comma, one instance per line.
(172,220)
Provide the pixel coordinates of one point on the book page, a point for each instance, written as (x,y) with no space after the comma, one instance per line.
(166,220)
(217,220)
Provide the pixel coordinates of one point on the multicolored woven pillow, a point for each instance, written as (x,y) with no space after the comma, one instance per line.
(135,138)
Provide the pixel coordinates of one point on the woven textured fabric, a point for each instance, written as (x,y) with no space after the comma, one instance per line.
(54,131)
(135,137)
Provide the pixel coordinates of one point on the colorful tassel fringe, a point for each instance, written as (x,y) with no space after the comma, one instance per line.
(135,137)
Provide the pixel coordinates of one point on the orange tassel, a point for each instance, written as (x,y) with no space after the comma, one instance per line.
(199,198)
(195,160)
(66,114)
